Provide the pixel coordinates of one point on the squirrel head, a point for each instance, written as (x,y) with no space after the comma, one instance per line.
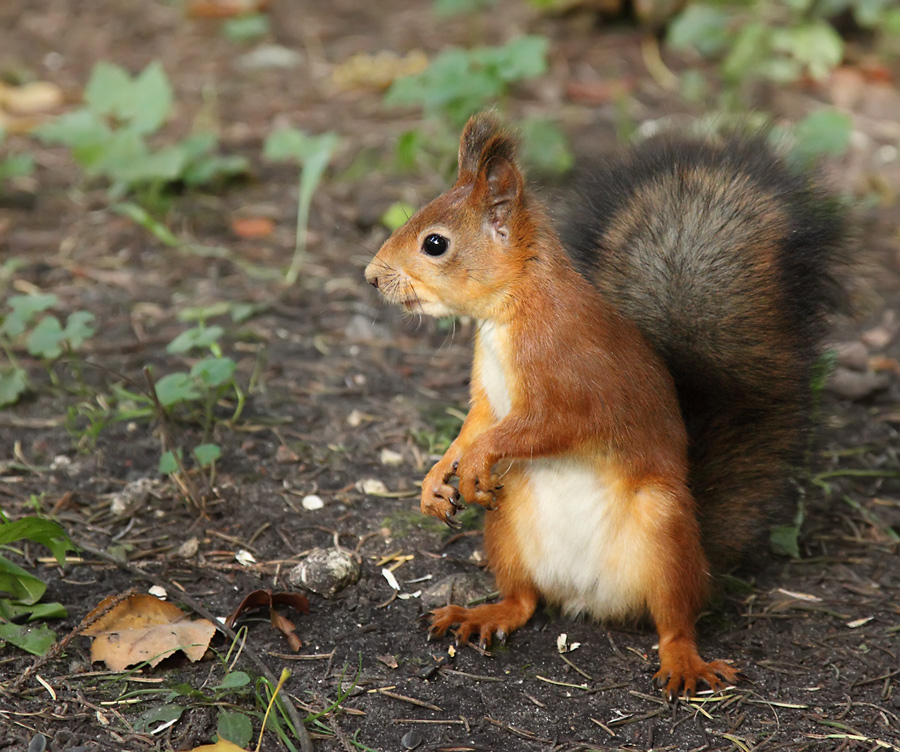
(460,254)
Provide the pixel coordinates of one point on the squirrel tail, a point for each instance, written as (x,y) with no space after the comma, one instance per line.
(724,256)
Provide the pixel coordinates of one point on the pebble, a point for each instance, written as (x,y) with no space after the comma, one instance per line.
(411,739)
(268,57)
(325,571)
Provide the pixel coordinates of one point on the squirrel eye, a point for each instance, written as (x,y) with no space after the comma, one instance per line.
(435,245)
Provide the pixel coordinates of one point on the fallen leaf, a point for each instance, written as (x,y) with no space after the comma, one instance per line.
(30,99)
(144,628)
(252,227)
(223,745)
(378,70)
(268,599)
(224,8)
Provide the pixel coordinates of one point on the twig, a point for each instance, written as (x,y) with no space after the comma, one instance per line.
(181,477)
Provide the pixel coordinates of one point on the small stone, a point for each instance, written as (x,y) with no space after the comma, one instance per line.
(856,385)
(188,549)
(38,743)
(325,571)
(285,455)
(132,496)
(391,458)
(411,739)
(372,487)
(268,57)
(853,355)
(312,502)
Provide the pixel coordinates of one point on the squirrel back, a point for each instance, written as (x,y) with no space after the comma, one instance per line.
(723,255)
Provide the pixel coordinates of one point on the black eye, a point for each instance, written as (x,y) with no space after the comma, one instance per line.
(435,245)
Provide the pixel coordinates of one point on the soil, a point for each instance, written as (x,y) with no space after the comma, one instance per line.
(338,378)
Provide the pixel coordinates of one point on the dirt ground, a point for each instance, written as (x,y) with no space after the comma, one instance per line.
(340,378)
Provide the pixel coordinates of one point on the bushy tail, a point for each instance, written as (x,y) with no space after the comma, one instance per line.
(724,257)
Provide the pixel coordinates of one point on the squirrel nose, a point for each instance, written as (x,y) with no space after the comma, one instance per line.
(374,282)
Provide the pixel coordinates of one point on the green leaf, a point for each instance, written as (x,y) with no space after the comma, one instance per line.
(152,99)
(206,170)
(78,328)
(213,372)
(36,640)
(160,714)
(24,308)
(168,463)
(234,680)
(81,129)
(290,144)
(13,384)
(44,340)
(16,166)
(701,27)
(38,530)
(175,388)
(109,90)
(18,584)
(196,337)
(825,132)
(784,540)
(545,146)
(235,727)
(816,45)
(206,454)
(397,215)
(246,28)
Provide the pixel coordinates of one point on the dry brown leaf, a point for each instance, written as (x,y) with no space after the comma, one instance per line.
(268,599)
(144,628)
(224,8)
(252,227)
(223,745)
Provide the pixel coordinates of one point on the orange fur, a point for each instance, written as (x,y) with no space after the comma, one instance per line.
(574,440)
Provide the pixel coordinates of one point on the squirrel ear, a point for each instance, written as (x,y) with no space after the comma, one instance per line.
(482,138)
(503,186)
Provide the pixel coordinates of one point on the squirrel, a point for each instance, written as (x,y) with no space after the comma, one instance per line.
(640,388)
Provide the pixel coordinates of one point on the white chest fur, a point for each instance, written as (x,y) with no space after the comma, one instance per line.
(492,373)
(582,543)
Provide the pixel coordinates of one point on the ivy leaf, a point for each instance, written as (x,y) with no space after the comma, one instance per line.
(195,337)
(176,387)
(78,328)
(702,27)
(214,372)
(44,340)
(168,463)
(24,307)
(206,454)
(152,99)
(109,90)
(13,384)
(235,727)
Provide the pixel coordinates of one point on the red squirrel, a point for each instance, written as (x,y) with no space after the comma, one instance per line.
(638,394)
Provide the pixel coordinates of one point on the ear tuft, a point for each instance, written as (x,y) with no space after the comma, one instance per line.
(483,139)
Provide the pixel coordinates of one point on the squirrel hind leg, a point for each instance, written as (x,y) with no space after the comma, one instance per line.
(681,668)
(487,621)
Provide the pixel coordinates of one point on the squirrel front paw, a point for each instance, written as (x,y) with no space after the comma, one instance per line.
(439,498)
(478,483)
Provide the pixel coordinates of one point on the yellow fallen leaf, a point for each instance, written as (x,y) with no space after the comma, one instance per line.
(144,628)
(38,96)
(223,745)
(377,71)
